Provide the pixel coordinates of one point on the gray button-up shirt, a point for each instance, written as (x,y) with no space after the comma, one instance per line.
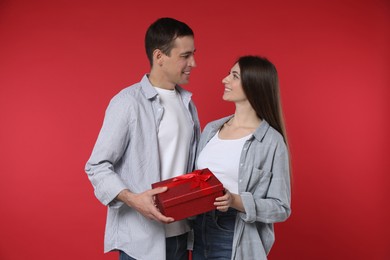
(264,187)
(126,156)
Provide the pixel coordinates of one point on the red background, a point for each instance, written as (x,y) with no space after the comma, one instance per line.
(61,62)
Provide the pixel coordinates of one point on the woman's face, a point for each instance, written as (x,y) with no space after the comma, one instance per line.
(233,88)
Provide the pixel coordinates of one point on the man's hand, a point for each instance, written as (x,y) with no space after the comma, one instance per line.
(144,203)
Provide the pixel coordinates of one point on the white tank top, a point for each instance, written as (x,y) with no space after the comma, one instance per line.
(222,157)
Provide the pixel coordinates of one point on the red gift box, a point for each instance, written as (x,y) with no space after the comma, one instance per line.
(189,194)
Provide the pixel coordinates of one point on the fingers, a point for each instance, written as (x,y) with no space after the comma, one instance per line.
(155,214)
(223,198)
(161,218)
(144,203)
(158,190)
(224,202)
(223,209)
(227,197)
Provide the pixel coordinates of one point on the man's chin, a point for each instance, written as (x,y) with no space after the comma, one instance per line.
(184,81)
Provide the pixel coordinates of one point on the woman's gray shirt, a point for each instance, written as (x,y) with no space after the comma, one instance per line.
(264,187)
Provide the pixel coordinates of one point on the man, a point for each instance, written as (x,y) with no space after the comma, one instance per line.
(150,132)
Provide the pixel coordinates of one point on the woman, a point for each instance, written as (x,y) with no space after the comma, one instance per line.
(248,153)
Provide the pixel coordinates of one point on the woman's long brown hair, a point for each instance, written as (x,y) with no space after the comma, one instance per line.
(259,79)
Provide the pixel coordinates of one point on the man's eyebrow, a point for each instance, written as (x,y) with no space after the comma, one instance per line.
(188,52)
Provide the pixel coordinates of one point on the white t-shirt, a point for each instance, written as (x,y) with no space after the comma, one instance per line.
(174,138)
(222,157)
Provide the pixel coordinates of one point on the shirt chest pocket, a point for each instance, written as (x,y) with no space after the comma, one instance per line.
(259,182)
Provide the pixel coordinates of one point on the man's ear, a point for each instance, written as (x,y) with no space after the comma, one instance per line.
(158,57)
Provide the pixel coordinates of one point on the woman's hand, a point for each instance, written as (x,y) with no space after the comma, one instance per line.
(229,200)
(223,203)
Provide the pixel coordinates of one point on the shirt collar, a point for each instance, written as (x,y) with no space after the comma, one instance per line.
(259,133)
(150,92)
(147,88)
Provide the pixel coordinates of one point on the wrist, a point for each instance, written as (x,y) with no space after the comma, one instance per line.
(125,196)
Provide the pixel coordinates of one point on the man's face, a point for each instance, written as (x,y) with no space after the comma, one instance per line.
(177,67)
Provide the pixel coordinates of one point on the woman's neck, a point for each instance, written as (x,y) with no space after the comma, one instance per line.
(243,123)
(245,117)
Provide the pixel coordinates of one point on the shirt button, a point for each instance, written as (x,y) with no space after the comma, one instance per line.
(240,180)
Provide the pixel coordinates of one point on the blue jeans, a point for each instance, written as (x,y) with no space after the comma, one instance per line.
(176,249)
(213,234)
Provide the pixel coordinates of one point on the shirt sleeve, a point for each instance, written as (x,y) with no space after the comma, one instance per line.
(270,202)
(109,148)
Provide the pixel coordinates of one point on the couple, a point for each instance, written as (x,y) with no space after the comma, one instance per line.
(151,132)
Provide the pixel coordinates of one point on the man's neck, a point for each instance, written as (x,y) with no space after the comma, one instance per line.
(159,81)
